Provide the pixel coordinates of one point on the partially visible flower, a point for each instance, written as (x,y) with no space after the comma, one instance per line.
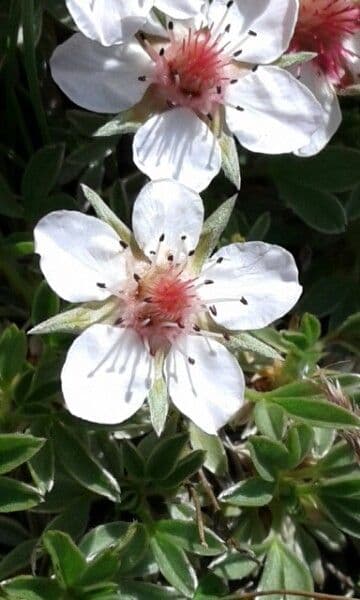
(194,82)
(331,28)
(160,307)
(115,21)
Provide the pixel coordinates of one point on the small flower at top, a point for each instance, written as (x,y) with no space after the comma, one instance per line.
(115,21)
(160,307)
(193,82)
(331,29)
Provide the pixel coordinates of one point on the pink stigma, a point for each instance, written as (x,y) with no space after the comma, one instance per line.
(160,305)
(191,71)
(323,27)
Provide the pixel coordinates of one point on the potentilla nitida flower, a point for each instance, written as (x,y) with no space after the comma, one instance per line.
(159,306)
(331,29)
(194,81)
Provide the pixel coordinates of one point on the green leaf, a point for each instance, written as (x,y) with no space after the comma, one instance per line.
(45,303)
(185,535)
(210,587)
(66,558)
(260,228)
(311,327)
(344,512)
(299,441)
(41,174)
(159,404)
(133,461)
(33,588)
(13,348)
(15,495)
(174,566)
(216,460)
(12,532)
(213,228)
(78,319)
(349,333)
(230,159)
(250,492)
(270,419)
(294,58)
(345,486)
(318,209)
(248,343)
(106,214)
(73,519)
(186,467)
(17,559)
(109,535)
(16,448)
(233,565)
(81,465)
(136,590)
(164,457)
(283,570)
(317,412)
(124,122)
(269,456)
(42,467)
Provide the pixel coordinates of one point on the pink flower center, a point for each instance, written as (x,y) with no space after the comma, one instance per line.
(323,27)
(160,305)
(191,71)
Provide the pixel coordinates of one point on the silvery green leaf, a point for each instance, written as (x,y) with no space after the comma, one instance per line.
(77,319)
(351,90)
(294,58)
(230,159)
(123,123)
(216,460)
(159,404)
(248,343)
(106,214)
(212,230)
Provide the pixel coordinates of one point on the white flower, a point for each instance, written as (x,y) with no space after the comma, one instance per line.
(195,82)
(331,28)
(115,21)
(162,306)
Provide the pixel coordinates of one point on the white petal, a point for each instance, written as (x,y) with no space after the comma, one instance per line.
(211,390)
(180,9)
(105,378)
(98,78)
(255,284)
(352,55)
(279,113)
(76,253)
(109,21)
(177,145)
(271,23)
(324,91)
(168,209)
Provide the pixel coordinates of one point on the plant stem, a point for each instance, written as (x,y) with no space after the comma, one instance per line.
(28,19)
(314,595)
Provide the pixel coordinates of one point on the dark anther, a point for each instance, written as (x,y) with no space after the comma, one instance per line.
(227,28)
(220,259)
(191,360)
(181,325)
(191,253)
(255,68)
(162,51)
(240,108)
(209,116)
(183,237)
(244,301)
(213,310)
(123,244)
(137,277)
(170,25)
(118,321)
(101,285)
(152,252)
(170,257)
(196,328)
(237,53)
(142,78)
(233,80)
(251,32)
(148,300)
(142,35)
(226,337)
(218,89)
(208,281)
(230,3)
(162,237)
